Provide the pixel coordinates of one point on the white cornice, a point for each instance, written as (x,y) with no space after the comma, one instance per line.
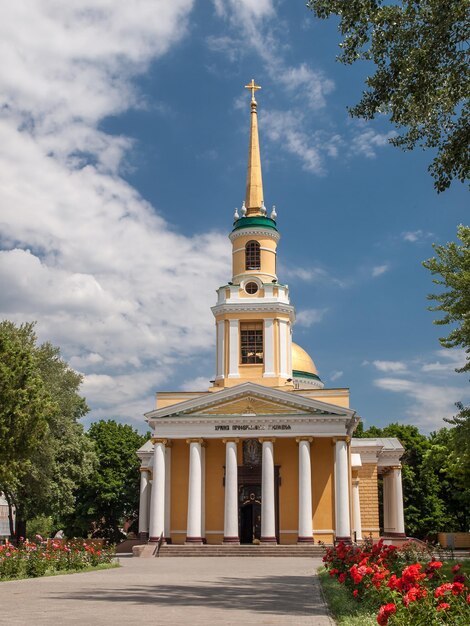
(254,231)
(255,307)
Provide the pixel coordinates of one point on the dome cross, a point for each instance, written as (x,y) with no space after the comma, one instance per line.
(253,88)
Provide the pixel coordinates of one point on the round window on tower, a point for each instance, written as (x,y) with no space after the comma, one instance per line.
(251,288)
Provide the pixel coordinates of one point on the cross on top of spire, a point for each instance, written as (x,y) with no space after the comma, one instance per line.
(253,88)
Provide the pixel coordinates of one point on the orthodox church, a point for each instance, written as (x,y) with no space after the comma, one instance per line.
(267,453)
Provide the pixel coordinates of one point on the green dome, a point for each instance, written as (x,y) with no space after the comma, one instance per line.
(249,222)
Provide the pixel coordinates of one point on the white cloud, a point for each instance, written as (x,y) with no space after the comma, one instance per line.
(389,366)
(366,142)
(336,375)
(308,317)
(378,270)
(310,275)
(200,383)
(288,129)
(429,403)
(105,276)
(416,236)
(451,360)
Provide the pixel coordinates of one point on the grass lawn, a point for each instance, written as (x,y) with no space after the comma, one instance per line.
(348,612)
(345,609)
(65,572)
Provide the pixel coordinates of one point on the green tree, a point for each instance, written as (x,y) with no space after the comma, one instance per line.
(25,406)
(43,463)
(452,263)
(448,459)
(422,77)
(111,494)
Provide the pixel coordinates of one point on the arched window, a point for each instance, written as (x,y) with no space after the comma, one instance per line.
(252,256)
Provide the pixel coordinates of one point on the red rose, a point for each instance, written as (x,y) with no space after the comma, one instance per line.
(435,565)
(456,568)
(457,589)
(443,606)
(384,613)
(355,592)
(440,591)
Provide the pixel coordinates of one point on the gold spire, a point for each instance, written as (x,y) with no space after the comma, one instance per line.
(254,180)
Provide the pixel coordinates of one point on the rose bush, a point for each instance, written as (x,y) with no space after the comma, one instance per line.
(40,557)
(403,591)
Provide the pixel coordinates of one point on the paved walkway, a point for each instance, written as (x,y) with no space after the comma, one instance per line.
(173,591)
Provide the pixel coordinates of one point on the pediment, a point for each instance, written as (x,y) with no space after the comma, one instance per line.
(250,405)
(250,399)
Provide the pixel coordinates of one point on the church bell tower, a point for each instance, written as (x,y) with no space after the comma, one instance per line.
(253,313)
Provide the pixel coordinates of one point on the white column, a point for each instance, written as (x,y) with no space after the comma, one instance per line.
(233,349)
(356,509)
(305,492)
(283,349)
(194,530)
(399,511)
(143,504)
(289,350)
(268,505)
(343,530)
(203,492)
(157,502)
(168,493)
(220,349)
(269,348)
(394,520)
(231,493)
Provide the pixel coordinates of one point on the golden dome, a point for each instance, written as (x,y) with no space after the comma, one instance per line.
(301,361)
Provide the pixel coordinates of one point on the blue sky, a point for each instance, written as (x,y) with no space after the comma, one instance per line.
(123,149)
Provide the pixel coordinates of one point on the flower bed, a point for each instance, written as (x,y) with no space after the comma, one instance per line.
(404,586)
(31,559)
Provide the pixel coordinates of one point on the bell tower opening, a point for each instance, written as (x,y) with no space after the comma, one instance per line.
(251,339)
(252,255)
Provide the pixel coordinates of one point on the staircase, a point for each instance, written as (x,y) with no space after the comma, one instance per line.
(150,550)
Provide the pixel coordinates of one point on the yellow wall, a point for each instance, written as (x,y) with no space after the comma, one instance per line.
(340,397)
(168,398)
(286,455)
(322,455)
(215,491)
(179,488)
(369,499)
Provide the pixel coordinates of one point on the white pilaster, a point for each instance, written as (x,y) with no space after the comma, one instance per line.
(268,505)
(289,350)
(157,502)
(394,520)
(233,349)
(343,530)
(168,492)
(269,348)
(283,366)
(143,504)
(356,509)
(194,526)
(231,493)
(305,493)
(220,349)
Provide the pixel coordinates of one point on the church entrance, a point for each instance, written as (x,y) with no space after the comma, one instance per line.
(249,493)
(250,515)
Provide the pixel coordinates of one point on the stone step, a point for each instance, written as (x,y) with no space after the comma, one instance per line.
(150,550)
(245,551)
